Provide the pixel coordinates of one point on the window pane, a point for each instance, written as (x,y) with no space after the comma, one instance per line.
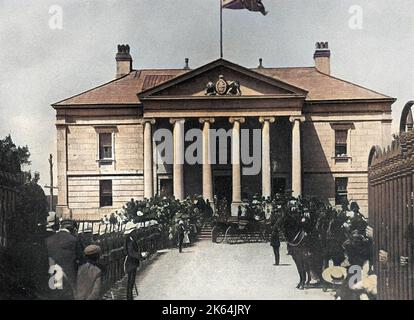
(341,137)
(340,150)
(341,190)
(105,193)
(105,146)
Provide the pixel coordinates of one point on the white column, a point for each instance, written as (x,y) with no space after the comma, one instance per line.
(236,165)
(148,159)
(266,170)
(178,166)
(296,156)
(207,174)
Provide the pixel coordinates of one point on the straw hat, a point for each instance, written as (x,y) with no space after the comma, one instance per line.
(51,219)
(334,275)
(129,227)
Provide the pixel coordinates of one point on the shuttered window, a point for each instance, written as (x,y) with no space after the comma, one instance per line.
(105,146)
(341,145)
(105,193)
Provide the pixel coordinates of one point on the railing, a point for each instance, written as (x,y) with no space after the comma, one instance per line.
(391,213)
(110,238)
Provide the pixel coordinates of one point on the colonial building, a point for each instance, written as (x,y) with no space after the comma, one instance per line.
(316,132)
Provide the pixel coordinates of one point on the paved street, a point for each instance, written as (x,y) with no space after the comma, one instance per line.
(222,271)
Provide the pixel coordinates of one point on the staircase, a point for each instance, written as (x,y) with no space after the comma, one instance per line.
(205,233)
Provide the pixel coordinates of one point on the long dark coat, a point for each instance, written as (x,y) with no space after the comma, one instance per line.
(133,254)
(66,250)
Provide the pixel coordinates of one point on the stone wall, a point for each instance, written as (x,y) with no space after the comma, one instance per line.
(320,167)
(79,168)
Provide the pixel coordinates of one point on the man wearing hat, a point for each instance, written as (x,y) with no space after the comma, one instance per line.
(65,254)
(180,233)
(132,259)
(89,281)
(52,224)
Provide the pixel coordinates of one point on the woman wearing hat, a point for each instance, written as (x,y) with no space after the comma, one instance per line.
(132,257)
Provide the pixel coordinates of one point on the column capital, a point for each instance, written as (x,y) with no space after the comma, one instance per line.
(269,119)
(202,120)
(237,119)
(148,120)
(174,120)
(297,118)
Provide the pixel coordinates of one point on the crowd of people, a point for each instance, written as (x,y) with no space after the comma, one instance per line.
(74,258)
(324,242)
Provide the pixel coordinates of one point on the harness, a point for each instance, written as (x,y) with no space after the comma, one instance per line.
(298,238)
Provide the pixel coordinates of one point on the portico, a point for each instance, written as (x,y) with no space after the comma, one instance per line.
(191,97)
(235,163)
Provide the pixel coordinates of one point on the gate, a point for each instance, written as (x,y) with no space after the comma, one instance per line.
(391,214)
(8,193)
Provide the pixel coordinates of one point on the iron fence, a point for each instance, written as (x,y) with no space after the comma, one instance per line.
(110,237)
(391,214)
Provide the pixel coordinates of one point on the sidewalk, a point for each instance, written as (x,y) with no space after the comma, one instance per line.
(221,271)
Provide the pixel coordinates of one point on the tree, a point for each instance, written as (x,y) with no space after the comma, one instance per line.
(12,157)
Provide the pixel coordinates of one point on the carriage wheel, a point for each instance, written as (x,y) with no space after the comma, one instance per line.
(217,235)
(231,235)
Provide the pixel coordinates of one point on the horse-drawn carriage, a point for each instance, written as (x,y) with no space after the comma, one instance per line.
(240,230)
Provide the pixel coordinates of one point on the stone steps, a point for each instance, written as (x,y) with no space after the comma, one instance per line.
(205,232)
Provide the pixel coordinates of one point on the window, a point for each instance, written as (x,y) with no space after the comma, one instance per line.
(105,193)
(341,191)
(105,146)
(341,137)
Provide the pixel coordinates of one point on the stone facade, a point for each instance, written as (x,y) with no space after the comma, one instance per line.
(298,110)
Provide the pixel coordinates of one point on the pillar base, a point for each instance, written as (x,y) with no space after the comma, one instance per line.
(235,208)
(63,212)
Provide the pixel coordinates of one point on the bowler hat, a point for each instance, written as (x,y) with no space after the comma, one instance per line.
(68,223)
(92,249)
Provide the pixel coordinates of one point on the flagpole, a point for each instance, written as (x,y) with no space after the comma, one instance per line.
(221,29)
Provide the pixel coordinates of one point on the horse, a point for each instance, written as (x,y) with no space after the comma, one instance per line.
(298,242)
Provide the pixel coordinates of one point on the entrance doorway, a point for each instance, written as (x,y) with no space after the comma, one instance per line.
(223,192)
(278,185)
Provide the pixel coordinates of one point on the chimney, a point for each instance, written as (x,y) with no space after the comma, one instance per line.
(123,61)
(260,66)
(186,64)
(322,57)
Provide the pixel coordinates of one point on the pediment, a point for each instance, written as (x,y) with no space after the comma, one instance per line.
(223,79)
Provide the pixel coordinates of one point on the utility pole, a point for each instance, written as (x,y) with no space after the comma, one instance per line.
(51,187)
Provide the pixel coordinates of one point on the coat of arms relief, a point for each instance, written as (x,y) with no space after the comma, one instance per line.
(223,87)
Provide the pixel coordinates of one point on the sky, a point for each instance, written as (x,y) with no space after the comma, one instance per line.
(42,63)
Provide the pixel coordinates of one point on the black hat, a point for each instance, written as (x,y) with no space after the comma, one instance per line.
(68,224)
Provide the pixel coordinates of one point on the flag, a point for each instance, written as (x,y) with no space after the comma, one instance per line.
(251,5)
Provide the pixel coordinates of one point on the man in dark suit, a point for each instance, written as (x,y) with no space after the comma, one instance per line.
(275,243)
(65,255)
(180,232)
(132,259)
